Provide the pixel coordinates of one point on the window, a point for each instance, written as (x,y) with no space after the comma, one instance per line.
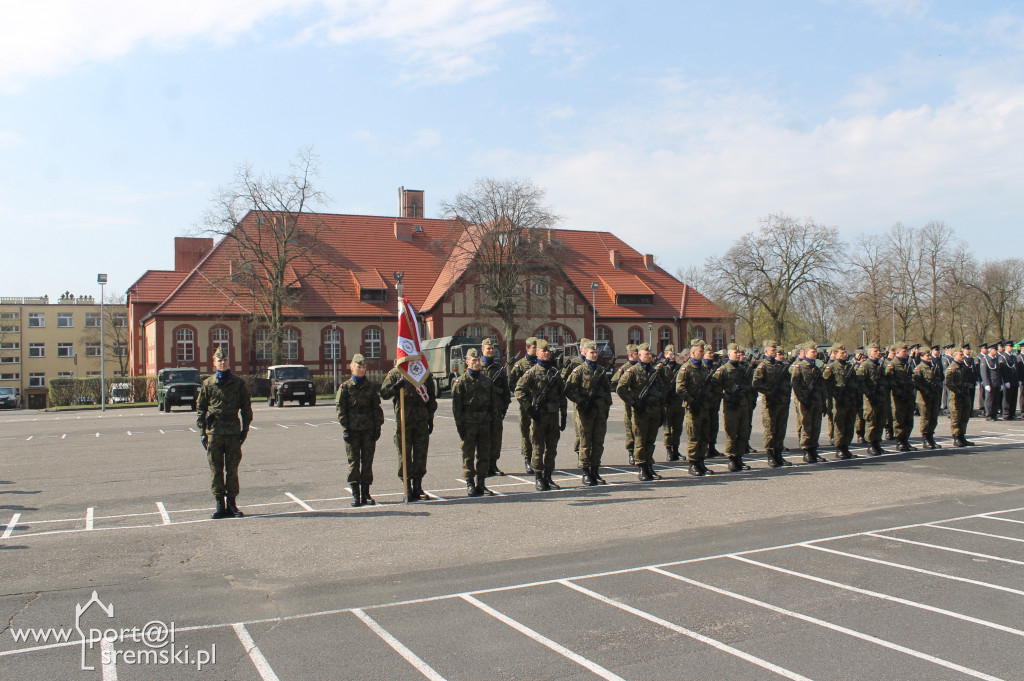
(634,299)
(14,359)
(555,334)
(10,315)
(290,344)
(264,346)
(185,345)
(36,320)
(65,374)
(10,345)
(36,350)
(92,320)
(65,320)
(120,321)
(664,338)
(332,344)
(718,338)
(540,288)
(37,380)
(699,332)
(603,335)
(373,295)
(92,349)
(636,335)
(120,350)
(92,374)
(65,349)
(10,377)
(221,340)
(371,343)
(9,328)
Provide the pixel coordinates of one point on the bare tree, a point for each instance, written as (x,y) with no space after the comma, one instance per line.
(1000,284)
(278,247)
(502,238)
(116,334)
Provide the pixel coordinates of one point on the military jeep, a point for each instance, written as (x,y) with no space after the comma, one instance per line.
(290,382)
(177,387)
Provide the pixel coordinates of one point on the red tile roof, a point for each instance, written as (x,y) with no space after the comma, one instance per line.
(155,285)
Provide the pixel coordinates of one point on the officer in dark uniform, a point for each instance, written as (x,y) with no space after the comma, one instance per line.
(944,361)
(971,364)
(541,392)
(475,405)
(419,424)
(515,372)
(991,382)
(1011,383)
(361,417)
(223,397)
(499,379)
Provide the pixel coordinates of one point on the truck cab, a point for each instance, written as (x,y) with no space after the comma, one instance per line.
(177,387)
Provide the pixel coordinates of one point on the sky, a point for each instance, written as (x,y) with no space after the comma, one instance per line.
(676,125)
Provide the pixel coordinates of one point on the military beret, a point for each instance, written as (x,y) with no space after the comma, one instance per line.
(531,341)
(472,352)
(487,341)
(733,346)
(901,346)
(358,359)
(809,345)
(697,343)
(643,346)
(771,343)
(588,345)
(873,346)
(837,347)
(220,354)
(670,348)
(541,344)
(631,347)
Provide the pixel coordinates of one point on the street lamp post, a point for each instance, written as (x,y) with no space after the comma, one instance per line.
(650,334)
(593,302)
(336,348)
(864,336)
(101,279)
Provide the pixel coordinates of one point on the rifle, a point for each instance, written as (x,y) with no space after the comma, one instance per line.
(586,405)
(534,409)
(698,397)
(841,392)
(770,396)
(504,369)
(736,392)
(646,390)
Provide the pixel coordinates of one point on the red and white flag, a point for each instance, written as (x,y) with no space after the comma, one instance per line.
(409,357)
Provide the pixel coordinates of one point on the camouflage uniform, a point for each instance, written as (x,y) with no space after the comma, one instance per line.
(841,382)
(475,405)
(218,407)
(733,381)
(503,396)
(772,379)
(809,390)
(357,403)
(627,415)
(567,369)
(516,372)
(589,387)
(674,411)
(929,381)
(714,408)
(959,405)
(419,423)
(548,415)
(693,385)
(646,413)
(900,376)
(871,376)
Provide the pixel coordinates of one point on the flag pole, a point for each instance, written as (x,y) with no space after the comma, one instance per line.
(405,468)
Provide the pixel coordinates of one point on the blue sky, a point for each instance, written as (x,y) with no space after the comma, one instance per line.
(676,125)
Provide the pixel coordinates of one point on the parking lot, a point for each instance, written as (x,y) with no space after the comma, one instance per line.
(901,566)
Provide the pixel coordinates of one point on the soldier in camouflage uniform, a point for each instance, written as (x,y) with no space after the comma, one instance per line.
(503,395)
(900,376)
(223,397)
(567,367)
(772,379)
(589,388)
(647,410)
(929,381)
(627,415)
(693,385)
(841,383)
(419,424)
(861,423)
(674,412)
(475,405)
(809,390)
(890,353)
(829,402)
(711,362)
(871,376)
(734,379)
(516,372)
(542,394)
(361,417)
(959,399)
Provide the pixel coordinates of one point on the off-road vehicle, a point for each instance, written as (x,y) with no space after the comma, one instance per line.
(290,382)
(177,387)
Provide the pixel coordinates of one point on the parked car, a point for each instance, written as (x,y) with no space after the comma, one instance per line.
(9,398)
(290,382)
(177,387)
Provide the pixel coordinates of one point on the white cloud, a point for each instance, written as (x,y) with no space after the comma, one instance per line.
(440,40)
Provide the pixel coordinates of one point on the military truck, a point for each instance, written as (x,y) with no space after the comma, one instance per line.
(446,358)
(177,387)
(290,382)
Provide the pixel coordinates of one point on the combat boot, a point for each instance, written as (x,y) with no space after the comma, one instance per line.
(417,489)
(736,464)
(481,487)
(220,511)
(596,472)
(673,454)
(365,491)
(410,490)
(551,483)
(653,473)
(494,470)
(357,499)
(934,445)
(232,509)
(541,483)
(588,477)
(811,456)
(632,461)
(770,456)
(471,488)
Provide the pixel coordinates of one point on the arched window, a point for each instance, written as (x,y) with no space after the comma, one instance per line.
(290,344)
(332,344)
(636,335)
(699,332)
(718,338)
(664,338)
(264,345)
(371,343)
(556,334)
(185,344)
(220,339)
(481,331)
(603,334)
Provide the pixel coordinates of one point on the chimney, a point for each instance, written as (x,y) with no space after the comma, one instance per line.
(648,261)
(615,257)
(188,251)
(410,203)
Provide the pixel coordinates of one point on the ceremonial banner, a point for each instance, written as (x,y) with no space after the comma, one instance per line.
(409,357)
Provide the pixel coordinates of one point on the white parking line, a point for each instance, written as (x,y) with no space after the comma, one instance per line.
(29,438)
(834,627)
(260,662)
(89,517)
(10,526)
(544,640)
(944,548)
(982,534)
(281,426)
(299,501)
(108,659)
(781,671)
(163,513)
(63,436)
(989,516)
(410,657)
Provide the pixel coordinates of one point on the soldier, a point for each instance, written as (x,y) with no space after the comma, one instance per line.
(859,427)
(223,397)
(627,417)
(890,353)
(734,381)
(983,350)
(514,374)
(711,362)
(945,359)
(900,377)
(829,402)
(542,394)
(475,406)
(570,364)
(841,381)
(809,390)
(959,407)
(991,382)
(361,417)
(674,411)
(693,387)
(589,388)
(419,424)
(772,379)
(929,382)
(503,395)
(1008,372)
(871,377)
(643,388)
(800,352)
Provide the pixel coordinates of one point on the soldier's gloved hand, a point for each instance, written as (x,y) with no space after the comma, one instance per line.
(561,421)
(988,388)
(205,439)
(244,434)
(346,436)
(1006,386)
(462,432)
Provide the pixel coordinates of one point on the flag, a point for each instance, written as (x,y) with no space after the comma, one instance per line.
(409,358)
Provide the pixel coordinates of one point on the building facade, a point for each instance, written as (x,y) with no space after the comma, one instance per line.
(41,340)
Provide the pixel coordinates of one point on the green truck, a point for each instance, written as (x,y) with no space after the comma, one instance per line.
(177,387)
(446,358)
